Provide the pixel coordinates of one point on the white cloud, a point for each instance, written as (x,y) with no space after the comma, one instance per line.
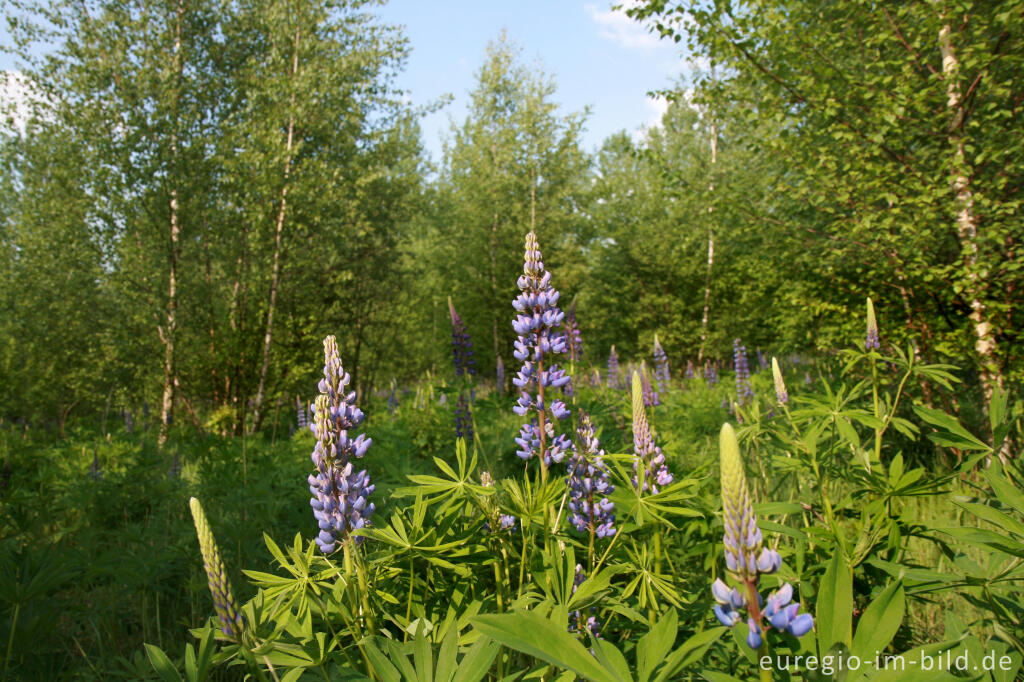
(658,105)
(616,26)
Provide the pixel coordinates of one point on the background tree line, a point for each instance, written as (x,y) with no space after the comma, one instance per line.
(209,188)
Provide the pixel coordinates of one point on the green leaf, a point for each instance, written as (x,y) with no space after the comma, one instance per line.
(951,434)
(655,645)
(539,637)
(163,666)
(477,661)
(879,624)
(689,653)
(834,614)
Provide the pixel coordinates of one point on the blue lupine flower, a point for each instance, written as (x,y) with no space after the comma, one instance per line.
(95,469)
(589,508)
(463,419)
(302,416)
(462,346)
(744,393)
(710,374)
(661,371)
(340,494)
(613,369)
(573,338)
(650,395)
(500,378)
(539,342)
(690,372)
(649,460)
(746,558)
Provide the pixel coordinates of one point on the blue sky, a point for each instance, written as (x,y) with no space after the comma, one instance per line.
(597,57)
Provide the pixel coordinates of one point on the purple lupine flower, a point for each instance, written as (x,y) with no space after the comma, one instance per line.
(592,624)
(340,494)
(613,369)
(175,470)
(710,373)
(780,385)
(661,371)
(746,558)
(540,341)
(690,371)
(392,399)
(463,419)
(744,393)
(871,342)
(650,395)
(501,376)
(649,460)
(232,622)
(95,469)
(462,346)
(595,378)
(590,510)
(574,340)
(762,360)
(302,415)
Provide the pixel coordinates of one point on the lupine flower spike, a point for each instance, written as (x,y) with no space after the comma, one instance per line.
(780,386)
(746,558)
(589,507)
(95,469)
(613,369)
(340,495)
(463,419)
(540,341)
(744,393)
(500,378)
(573,338)
(650,395)
(661,372)
(649,460)
(690,373)
(462,346)
(871,342)
(710,374)
(231,619)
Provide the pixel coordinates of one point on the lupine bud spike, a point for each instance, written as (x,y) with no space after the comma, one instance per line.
(871,342)
(780,385)
(231,618)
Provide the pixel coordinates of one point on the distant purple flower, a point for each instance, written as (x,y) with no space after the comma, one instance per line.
(574,340)
(540,342)
(661,371)
(501,375)
(762,360)
(392,399)
(690,372)
(650,395)
(302,418)
(175,470)
(589,507)
(462,346)
(463,419)
(710,374)
(649,460)
(744,393)
(340,494)
(595,378)
(613,369)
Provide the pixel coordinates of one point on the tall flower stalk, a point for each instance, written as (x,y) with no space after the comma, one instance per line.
(746,558)
(340,494)
(649,469)
(232,621)
(744,393)
(613,369)
(590,509)
(538,345)
(462,345)
(661,371)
